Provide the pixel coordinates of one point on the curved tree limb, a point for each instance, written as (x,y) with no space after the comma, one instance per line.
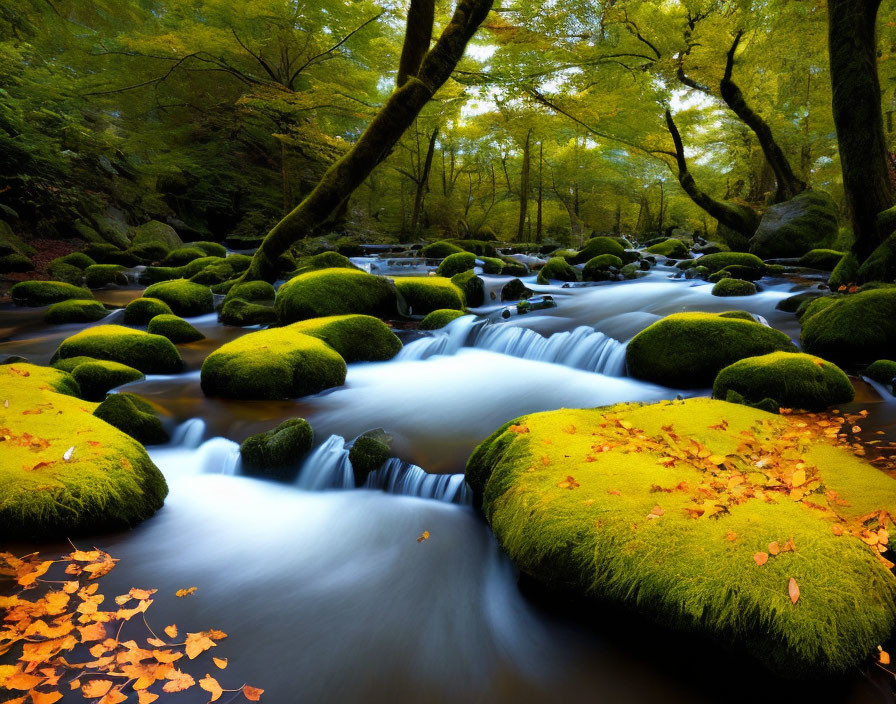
(417,38)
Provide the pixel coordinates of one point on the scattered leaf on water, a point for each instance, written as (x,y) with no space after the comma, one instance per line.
(423,536)
(181,593)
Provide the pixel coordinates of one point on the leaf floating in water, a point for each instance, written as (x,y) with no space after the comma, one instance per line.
(794,590)
(210,685)
(171,631)
(68,454)
(423,536)
(220,663)
(181,593)
(253,694)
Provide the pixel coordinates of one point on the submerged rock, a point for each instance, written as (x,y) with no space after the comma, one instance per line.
(272,364)
(792,380)
(64,471)
(658,508)
(808,221)
(424,294)
(278,453)
(151,354)
(357,338)
(515,290)
(687,350)
(471,286)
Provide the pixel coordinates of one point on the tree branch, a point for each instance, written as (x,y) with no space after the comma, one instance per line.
(317,57)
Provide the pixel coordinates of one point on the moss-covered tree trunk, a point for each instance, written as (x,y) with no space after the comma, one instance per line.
(858,117)
(740,218)
(376,142)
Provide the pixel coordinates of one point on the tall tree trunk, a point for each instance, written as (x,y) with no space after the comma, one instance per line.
(789,184)
(376,142)
(284,177)
(858,118)
(539,221)
(739,218)
(662,215)
(417,38)
(423,183)
(524,187)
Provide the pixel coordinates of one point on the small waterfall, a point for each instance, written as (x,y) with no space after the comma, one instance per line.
(189,434)
(116,317)
(398,477)
(582,348)
(328,467)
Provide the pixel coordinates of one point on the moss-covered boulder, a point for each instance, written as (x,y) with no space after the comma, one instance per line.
(472,287)
(15,263)
(149,252)
(240,313)
(424,294)
(176,329)
(597,246)
(159,233)
(734,287)
(272,364)
(601,268)
(357,338)
(368,453)
(64,471)
(211,249)
(811,306)
(440,250)
(671,248)
(557,269)
(744,526)
(494,266)
(66,273)
(883,371)
(133,416)
(58,380)
(253,292)
(456,264)
(792,303)
(511,267)
(792,380)
(880,264)
(100,275)
(744,273)
(440,318)
(846,272)
(78,259)
(183,255)
(99,376)
(852,329)
(318,294)
(151,354)
(183,297)
(823,259)
(688,350)
(808,221)
(324,260)
(278,453)
(44,293)
(141,310)
(480,248)
(722,260)
(515,290)
(75,311)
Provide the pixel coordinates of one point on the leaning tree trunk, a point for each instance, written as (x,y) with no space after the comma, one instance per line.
(788,183)
(376,142)
(858,117)
(524,187)
(740,218)
(423,183)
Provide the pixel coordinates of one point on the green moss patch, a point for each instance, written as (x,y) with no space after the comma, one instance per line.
(792,380)
(883,371)
(44,293)
(272,364)
(183,297)
(278,453)
(357,338)
(106,482)
(176,329)
(318,294)
(456,264)
(734,287)
(852,329)
(472,287)
(75,311)
(151,354)
(672,248)
(440,318)
(664,509)
(240,313)
(597,246)
(141,310)
(557,269)
(100,376)
(368,453)
(424,294)
(42,378)
(133,416)
(687,350)
(440,250)
(823,259)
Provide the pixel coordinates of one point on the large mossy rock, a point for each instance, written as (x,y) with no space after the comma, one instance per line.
(75,311)
(440,250)
(723,260)
(790,379)
(368,453)
(241,313)
(44,293)
(155,232)
(107,481)
(687,350)
(880,264)
(808,221)
(133,416)
(557,269)
(597,246)
(318,294)
(601,268)
(185,298)
(357,338)
(151,354)
(663,509)
(823,259)
(472,287)
(324,260)
(99,376)
(13,263)
(424,294)
(457,263)
(100,275)
(272,364)
(141,310)
(672,248)
(852,329)
(176,329)
(728,287)
(278,453)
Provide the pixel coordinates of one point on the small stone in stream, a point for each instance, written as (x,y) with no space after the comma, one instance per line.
(368,453)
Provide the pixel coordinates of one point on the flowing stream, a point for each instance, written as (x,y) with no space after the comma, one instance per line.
(323,587)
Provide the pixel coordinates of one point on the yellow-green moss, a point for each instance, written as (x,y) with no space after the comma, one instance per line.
(792,380)
(326,292)
(278,453)
(185,298)
(851,329)
(471,286)
(141,310)
(272,364)
(151,354)
(597,246)
(557,269)
(687,350)
(42,378)
(440,318)
(99,275)
(133,416)
(883,371)
(108,482)
(75,311)
(456,264)
(692,565)
(99,376)
(176,329)
(440,250)
(672,248)
(357,338)
(734,287)
(424,294)
(44,293)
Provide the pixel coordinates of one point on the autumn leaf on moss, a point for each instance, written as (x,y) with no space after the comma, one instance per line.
(794,590)
(760,558)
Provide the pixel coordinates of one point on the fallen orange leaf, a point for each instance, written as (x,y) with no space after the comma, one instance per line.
(210,685)
(253,694)
(185,592)
(96,688)
(171,631)
(760,558)
(794,590)
(221,663)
